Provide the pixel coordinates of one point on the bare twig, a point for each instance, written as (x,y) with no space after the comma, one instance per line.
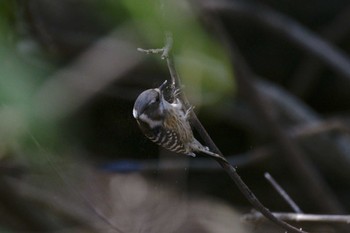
(254,200)
(300,217)
(165,54)
(283,193)
(231,171)
(320,127)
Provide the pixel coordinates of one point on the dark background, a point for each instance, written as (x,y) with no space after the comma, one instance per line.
(70,74)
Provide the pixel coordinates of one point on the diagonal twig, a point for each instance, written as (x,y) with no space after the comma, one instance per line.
(283,193)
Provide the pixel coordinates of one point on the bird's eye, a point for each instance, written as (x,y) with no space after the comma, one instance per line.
(154,101)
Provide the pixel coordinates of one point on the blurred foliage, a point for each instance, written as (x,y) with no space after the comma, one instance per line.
(201,61)
(39,39)
(23,70)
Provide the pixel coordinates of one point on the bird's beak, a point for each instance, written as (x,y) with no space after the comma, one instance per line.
(163,86)
(161,90)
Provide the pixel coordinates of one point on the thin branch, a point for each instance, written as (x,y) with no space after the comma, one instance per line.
(319,128)
(300,217)
(165,54)
(168,46)
(283,193)
(231,171)
(149,51)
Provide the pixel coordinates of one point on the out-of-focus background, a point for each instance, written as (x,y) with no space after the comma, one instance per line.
(72,158)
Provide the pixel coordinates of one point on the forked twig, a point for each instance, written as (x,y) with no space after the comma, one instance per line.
(231,171)
(165,54)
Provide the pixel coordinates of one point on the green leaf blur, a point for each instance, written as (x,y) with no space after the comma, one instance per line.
(201,61)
